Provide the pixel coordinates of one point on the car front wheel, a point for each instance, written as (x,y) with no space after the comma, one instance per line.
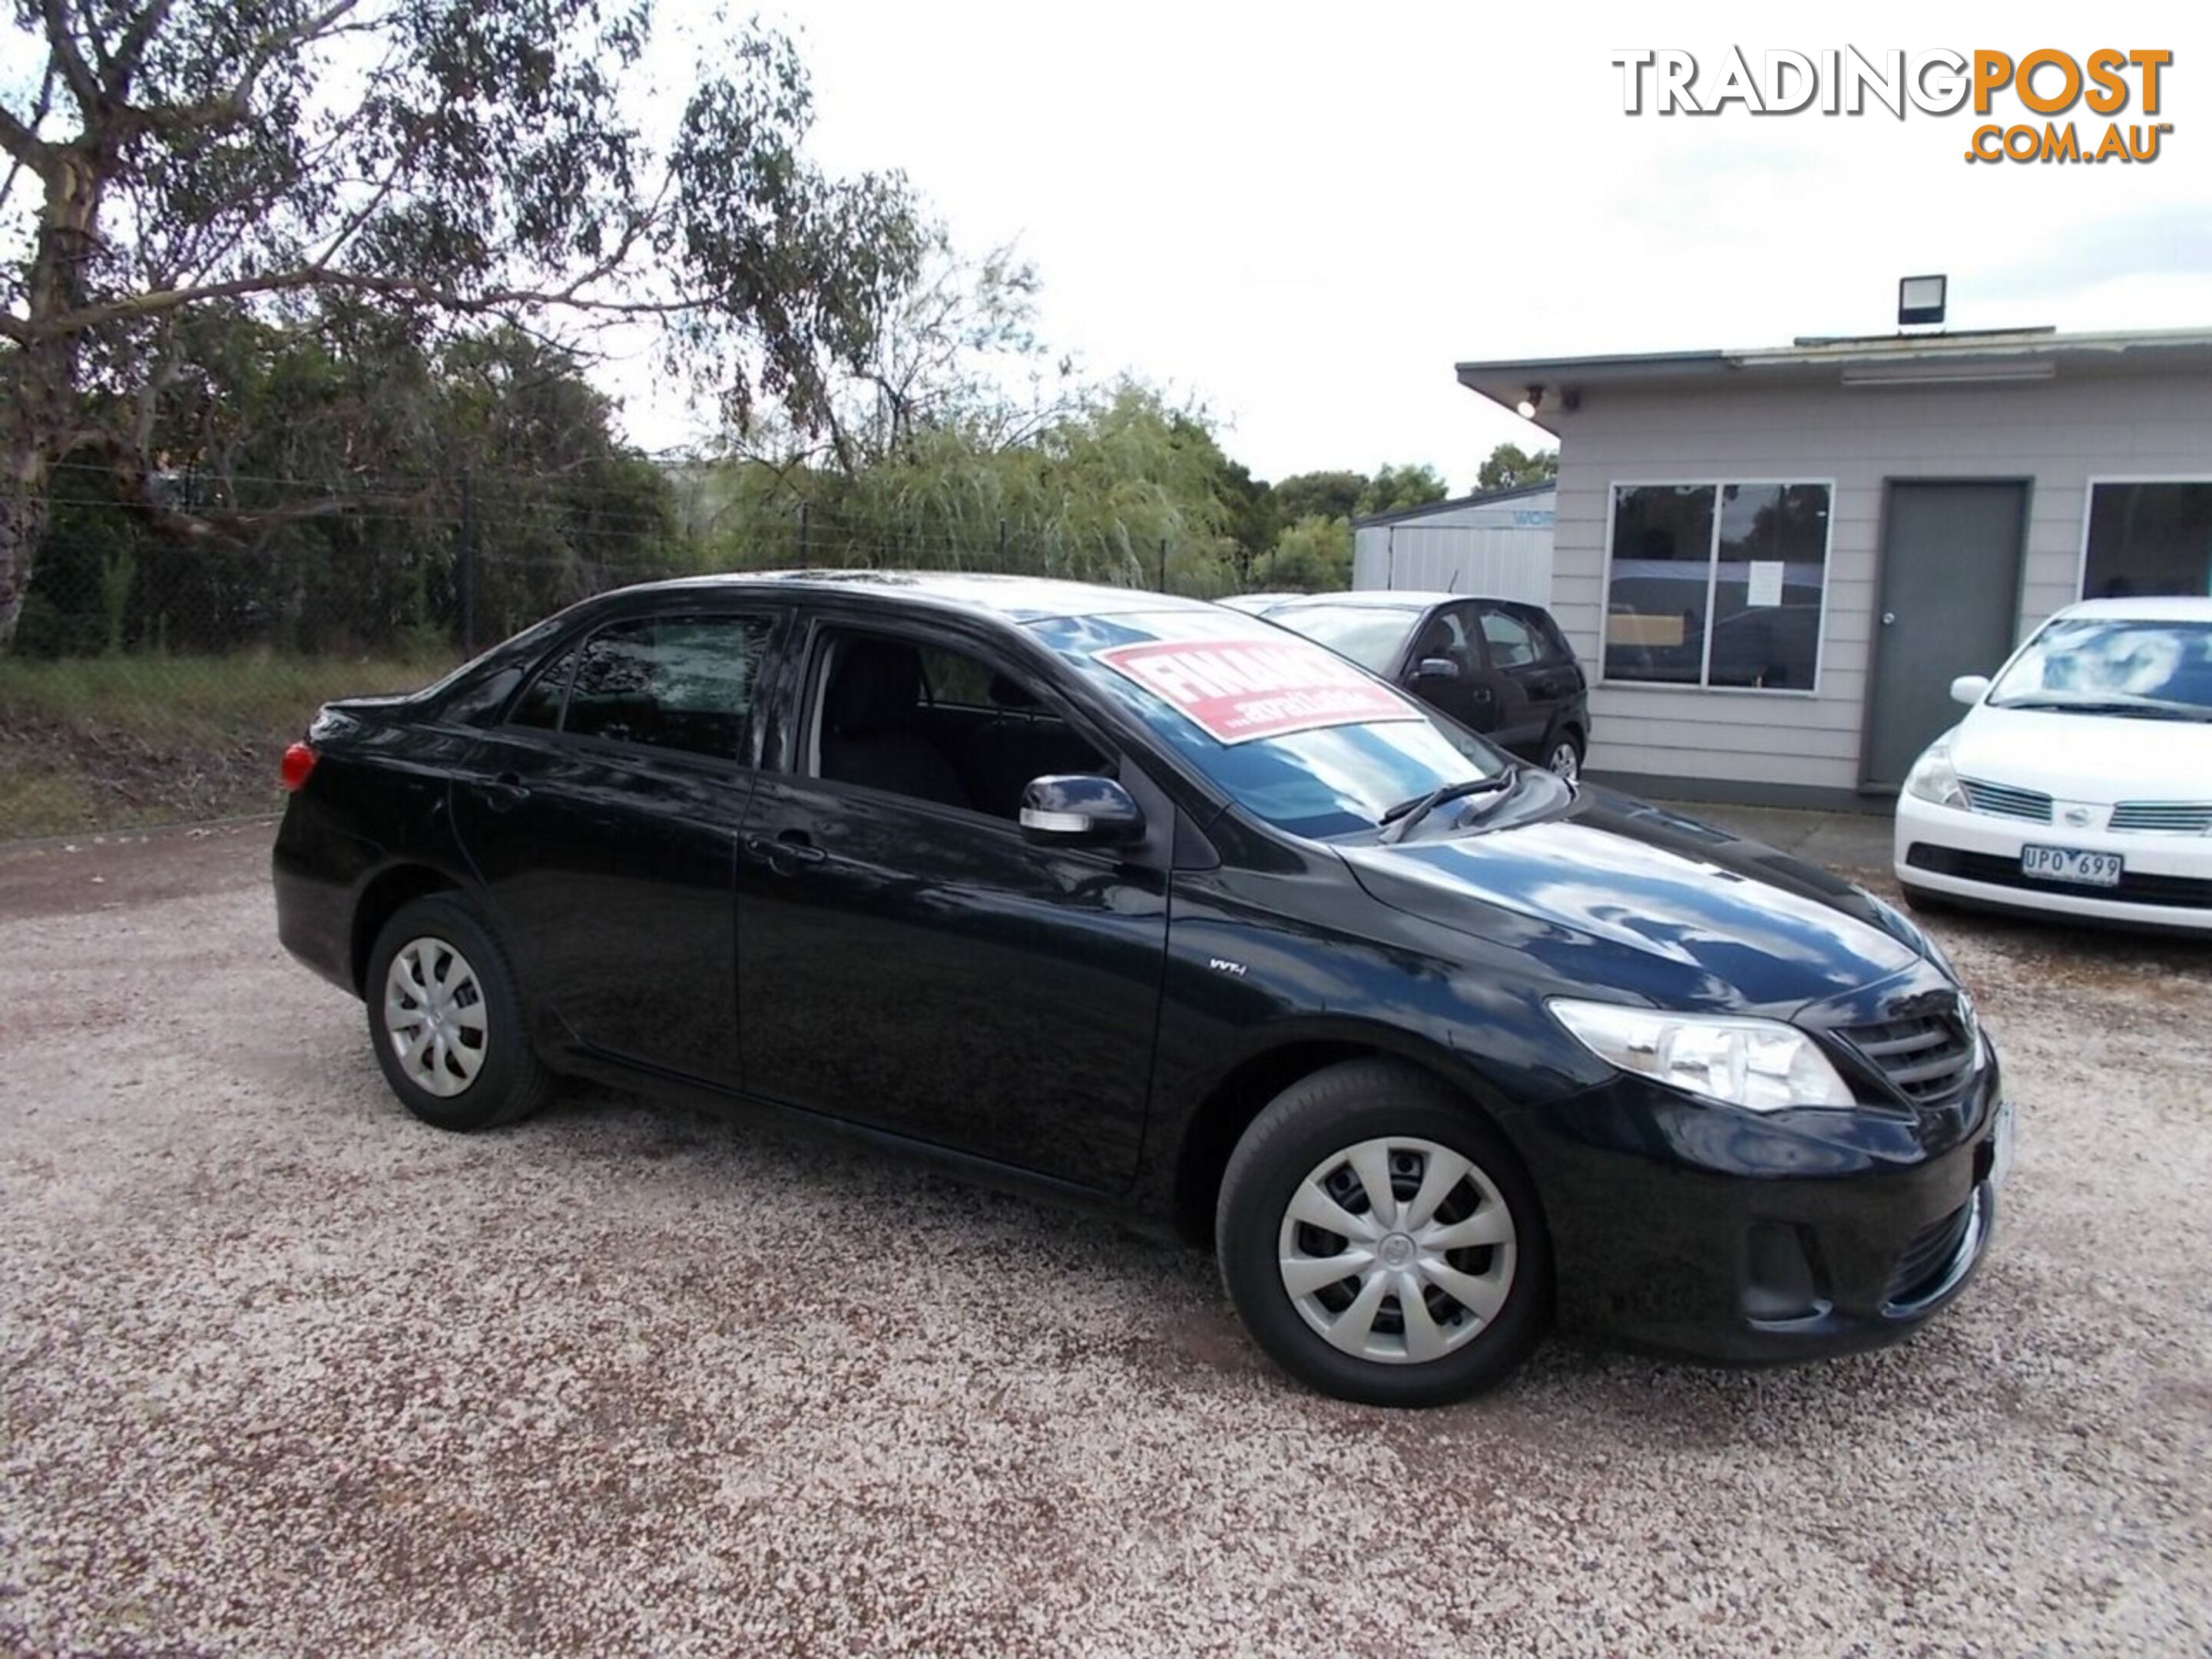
(447,1022)
(1380,1240)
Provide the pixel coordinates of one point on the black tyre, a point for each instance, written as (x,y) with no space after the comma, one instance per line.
(1447,1270)
(1927,903)
(1563,754)
(445,1021)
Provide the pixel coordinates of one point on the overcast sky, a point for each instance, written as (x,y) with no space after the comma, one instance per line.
(1303,215)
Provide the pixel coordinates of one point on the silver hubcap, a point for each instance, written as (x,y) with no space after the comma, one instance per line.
(1397,1250)
(434,1012)
(1565,763)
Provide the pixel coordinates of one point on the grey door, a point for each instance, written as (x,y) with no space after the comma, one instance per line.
(1948,601)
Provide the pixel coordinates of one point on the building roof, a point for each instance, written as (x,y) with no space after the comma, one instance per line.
(1485,498)
(1945,357)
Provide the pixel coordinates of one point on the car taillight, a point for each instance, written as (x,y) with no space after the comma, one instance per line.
(299,762)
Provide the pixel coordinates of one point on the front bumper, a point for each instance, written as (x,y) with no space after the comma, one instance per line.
(1715,1234)
(1975,856)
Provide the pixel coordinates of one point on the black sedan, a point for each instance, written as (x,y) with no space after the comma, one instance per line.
(1496,667)
(1152,905)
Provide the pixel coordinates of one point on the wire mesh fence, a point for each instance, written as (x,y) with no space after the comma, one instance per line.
(156,677)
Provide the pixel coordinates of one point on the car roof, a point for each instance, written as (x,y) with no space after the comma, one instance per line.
(1016,599)
(1388,598)
(2180,607)
(1394,599)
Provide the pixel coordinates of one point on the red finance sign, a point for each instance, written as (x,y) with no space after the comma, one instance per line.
(1235,690)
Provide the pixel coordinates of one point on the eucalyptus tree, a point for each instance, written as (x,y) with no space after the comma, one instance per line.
(444,164)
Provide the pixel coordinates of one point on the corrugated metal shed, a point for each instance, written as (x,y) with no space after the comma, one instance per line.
(1498,544)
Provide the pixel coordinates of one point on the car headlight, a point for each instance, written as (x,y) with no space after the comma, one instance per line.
(1932,779)
(1761,1065)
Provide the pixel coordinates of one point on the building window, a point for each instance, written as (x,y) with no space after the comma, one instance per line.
(1717,585)
(2148,538)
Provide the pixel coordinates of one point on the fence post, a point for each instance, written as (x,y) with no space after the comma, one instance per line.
(1002,543)
(802,535)
(1163,564)
(468,570)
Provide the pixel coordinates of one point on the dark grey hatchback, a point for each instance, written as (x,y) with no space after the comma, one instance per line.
(1497,667)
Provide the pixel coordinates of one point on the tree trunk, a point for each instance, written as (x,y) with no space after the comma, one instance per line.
(44,389)
(23,512)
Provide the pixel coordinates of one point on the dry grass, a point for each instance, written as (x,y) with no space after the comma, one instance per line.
(112,743)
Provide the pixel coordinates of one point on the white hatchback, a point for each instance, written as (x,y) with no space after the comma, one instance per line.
(2080,783)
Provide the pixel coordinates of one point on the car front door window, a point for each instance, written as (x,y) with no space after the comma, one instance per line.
(908,958)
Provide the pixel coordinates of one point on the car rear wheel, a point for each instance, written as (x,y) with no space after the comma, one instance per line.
(1564,757)
(1380,1240)
(445,1020)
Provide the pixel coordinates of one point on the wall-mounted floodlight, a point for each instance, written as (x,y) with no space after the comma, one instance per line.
(1527,408)
(1920,299)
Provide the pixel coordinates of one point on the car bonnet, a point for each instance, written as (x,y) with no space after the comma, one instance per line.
(1619,896)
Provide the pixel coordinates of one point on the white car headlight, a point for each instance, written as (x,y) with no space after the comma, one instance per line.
(1932,779)
(1761,1065)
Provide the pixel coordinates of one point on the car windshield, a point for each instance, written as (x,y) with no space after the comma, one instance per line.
(1295,735)
(1368,634)
(2151,669)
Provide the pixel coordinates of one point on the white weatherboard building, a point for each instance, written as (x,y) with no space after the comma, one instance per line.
(1499,545)
(1773,562)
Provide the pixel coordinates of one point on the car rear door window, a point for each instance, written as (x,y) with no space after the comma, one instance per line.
(1513,643)
(677,682)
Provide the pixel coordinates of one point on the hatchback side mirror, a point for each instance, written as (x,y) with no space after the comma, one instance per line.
(1436,668)
(1970,689)
(1078,810)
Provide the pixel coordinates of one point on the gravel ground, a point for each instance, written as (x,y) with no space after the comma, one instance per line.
(282,1372)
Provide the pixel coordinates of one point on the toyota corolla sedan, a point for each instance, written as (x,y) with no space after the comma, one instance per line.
(2080,783)
(1150,905)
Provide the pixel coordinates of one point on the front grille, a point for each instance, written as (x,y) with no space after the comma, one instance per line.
(1927,1259)
(2002,800)
(1926,1057)
(2164,817)
(2135,887)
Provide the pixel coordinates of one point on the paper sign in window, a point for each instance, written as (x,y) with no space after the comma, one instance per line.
(1765,585)
(1235,691)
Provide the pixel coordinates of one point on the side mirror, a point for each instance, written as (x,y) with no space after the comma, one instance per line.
(1436,668)
(1970,689)
(1078,810)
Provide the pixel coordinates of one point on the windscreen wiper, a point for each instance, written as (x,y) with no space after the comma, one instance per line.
(1406,814)
(2154,708)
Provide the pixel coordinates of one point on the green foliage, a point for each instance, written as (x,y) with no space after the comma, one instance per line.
(1319,496)
(1395,488)
(1314,556)
(1255,517)
(181,178)
(1094,495)
(1509,468)
(354,449)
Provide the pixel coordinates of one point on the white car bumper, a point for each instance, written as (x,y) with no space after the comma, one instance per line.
(1975,856)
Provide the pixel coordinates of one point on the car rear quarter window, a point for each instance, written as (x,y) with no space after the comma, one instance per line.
(539,708)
